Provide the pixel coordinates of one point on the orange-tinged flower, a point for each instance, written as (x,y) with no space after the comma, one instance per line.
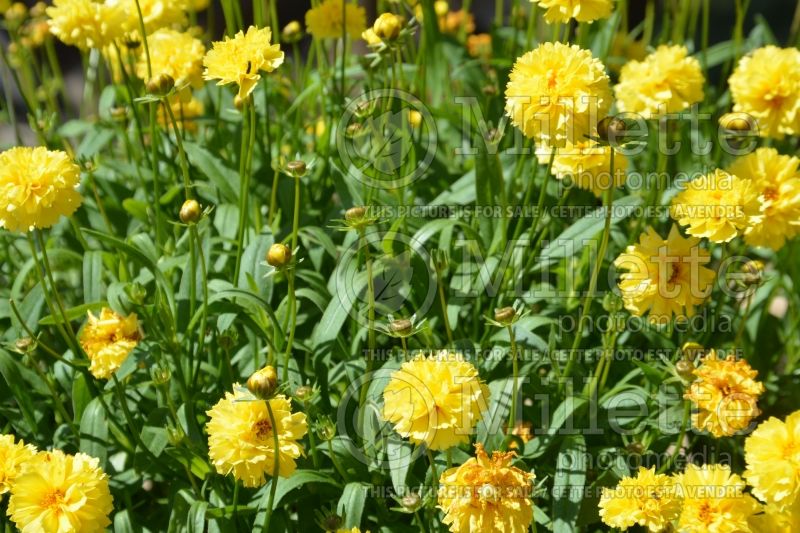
(486,494)
(725,394)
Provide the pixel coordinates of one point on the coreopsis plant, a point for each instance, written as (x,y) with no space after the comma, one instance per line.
(407,265)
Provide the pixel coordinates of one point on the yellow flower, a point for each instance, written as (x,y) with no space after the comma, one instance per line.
(186,113)
(773,520)
(60,493)
(325,21)
(435,400)
(589,166)
(156,14)
(665,277)
(766,85)
(486,494)
(239,60)
(107,340)
(713,500)
(772,454)
(13,456)
(37,187)
(776,178)
(556,94)
(176,54)
(580,10)
(725,394)
(718,206)
(241,437)
(85,23)
(648,500)
(369,36)
(666,81)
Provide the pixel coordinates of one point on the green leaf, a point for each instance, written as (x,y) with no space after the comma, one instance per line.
(568,484)
(73,313)
(81,397)
(94,431)
(225,179)
(351,503)
(196,519)
(286,485)
(92,276)
(10,369)
(572,239)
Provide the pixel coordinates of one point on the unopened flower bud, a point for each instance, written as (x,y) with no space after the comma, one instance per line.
(740,122)
(326,429)
(292,32)
(160,85)
(160,375)
(411,501)
(296,169)
(331,522)
(635,448)
(119,113)
(612,302)
(692,350)
(304,393)
(279,255)
(388,26)
(504,315)
(228,339)
(263,383)
(24,344)
(685,369)
(610,129)
(190,212)
(401,327)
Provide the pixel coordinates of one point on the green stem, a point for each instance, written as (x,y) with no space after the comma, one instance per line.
(244,190)
(608,201)
(275,470)
(512,416)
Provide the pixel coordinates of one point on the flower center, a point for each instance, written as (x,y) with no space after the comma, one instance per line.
(771,193)
(704,514)
(54,499)
(489,493)
(675,273)
(552,79)
(262,429)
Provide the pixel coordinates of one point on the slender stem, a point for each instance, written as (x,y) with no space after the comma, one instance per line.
(601,253)
(235,513)
(370,328)
(275,469)
(244,190)
(687,411)
(335,461)
(292,324)
(512,416)
(443,302)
